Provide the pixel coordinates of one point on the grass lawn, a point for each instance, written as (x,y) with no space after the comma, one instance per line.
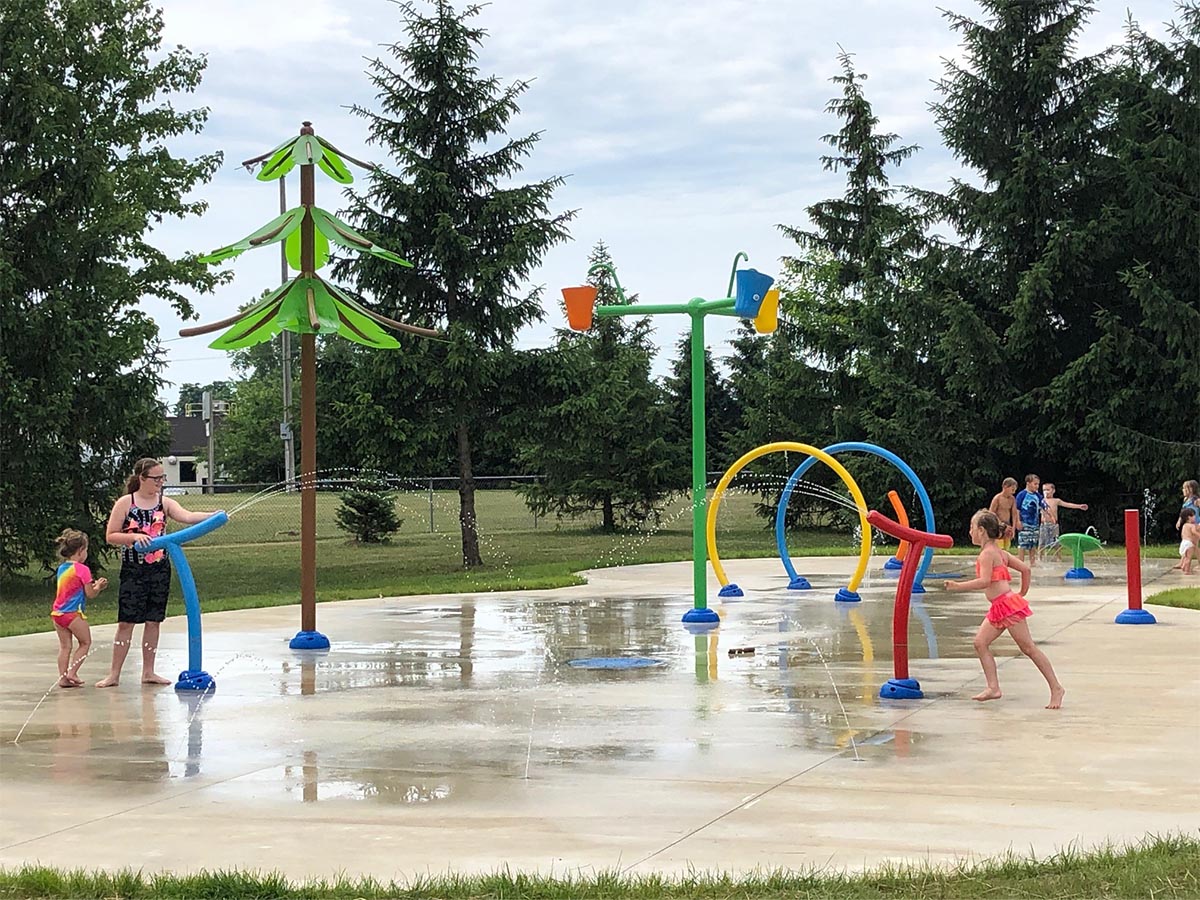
(254,560)
(1159,868)
(1182,597)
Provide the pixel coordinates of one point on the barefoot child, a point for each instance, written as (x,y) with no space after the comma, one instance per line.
(1189,540)
(1049,534)
(1004,507)
(75,588)
(1008,608)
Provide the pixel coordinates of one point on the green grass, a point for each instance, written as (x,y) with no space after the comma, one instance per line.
(1182,598)
(254,560)
(1158,867)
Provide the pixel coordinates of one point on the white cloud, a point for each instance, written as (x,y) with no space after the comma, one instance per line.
(689,130)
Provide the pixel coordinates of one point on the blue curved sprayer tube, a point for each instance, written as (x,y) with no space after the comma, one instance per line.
(172,543)
(850,446)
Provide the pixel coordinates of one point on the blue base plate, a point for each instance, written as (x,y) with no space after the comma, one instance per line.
(1079,574)
(701,617)
(730,590)
(901,689)
(1135,617)
(845,595)
(893,563)
(799,583)
(309,640)
(195,681)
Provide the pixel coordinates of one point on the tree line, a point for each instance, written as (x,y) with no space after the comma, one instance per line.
(1039,313)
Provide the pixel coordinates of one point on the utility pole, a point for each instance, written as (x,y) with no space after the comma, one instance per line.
(210,422)
(285,345)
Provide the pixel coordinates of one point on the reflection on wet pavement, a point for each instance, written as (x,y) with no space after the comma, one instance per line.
(435,694)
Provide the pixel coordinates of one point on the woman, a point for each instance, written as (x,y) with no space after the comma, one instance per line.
(138,516)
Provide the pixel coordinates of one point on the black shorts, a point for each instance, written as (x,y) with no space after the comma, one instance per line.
(143,593)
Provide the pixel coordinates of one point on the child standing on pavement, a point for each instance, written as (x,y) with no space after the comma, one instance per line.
(75,586)
(1029,505)
(1189,536)
(1004,508)
(1050,530)
(1008,609)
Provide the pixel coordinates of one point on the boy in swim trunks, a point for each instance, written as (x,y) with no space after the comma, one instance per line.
(1029,505)
(1004,509)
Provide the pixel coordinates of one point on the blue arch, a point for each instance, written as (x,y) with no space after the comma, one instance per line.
(875,450)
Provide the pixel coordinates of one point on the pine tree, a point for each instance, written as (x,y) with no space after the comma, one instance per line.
(853,351)
(368,512)
(599,446)
(1122,407)
(451,205)
(1070,274)
(88,102)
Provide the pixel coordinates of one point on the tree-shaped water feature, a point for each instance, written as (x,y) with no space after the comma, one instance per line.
(307,305)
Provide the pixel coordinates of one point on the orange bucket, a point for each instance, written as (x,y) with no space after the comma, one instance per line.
(580,302)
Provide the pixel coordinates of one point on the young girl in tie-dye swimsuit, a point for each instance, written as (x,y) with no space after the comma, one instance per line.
(1008,609)
(74,586)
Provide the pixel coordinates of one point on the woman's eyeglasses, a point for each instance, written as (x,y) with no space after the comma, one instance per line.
(159,478)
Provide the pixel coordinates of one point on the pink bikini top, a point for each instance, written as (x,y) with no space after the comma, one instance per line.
(999,573)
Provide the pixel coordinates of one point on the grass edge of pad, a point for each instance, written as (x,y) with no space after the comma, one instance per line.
(1183,597)
(1158,866)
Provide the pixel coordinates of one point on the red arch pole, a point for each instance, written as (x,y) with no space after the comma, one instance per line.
(902,686)
(1135,615)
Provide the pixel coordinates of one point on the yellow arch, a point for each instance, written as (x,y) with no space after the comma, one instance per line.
(864,553)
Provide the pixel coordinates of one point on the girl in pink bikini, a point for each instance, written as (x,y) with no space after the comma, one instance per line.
(1008,608)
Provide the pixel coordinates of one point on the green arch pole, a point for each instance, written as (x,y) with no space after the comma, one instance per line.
(697,308)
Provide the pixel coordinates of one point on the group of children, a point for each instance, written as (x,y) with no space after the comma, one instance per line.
(1030,516)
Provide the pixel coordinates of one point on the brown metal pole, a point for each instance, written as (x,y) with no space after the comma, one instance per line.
(308,482)
(308,419)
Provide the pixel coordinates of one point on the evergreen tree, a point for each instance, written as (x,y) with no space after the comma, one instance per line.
(721,415)
(368,512)
(1075,267)
(1122,407)
(452,209)
(600,446)
(87,101)
(853,353)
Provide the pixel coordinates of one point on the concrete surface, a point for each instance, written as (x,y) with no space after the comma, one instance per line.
(450,733)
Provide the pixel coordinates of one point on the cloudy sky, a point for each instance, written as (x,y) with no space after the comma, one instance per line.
(687,131)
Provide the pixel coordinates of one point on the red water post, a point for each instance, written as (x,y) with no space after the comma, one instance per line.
(1135,615)
(1133,558)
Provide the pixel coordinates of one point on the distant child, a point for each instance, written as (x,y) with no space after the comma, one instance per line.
(1049,534)
(1029,506)
(1004,508)
(1189,540)
(1008,608)
(1191,500)
(75,587)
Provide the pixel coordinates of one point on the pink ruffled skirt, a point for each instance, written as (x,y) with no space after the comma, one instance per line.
(1007,610)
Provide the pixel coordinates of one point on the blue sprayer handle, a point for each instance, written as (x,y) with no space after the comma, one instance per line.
(186,535)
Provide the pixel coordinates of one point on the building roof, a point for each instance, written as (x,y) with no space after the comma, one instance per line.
(187,435)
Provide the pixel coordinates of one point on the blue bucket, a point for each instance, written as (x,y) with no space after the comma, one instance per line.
(752,287)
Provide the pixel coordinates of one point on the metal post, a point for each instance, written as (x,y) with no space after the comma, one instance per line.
(285,346)
(431,506)
(210,425)
(1134,615)
(699,546)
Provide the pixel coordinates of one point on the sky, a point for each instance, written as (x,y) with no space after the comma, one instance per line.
(686,132)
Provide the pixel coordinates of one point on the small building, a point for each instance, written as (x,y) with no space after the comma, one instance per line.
(186,467)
